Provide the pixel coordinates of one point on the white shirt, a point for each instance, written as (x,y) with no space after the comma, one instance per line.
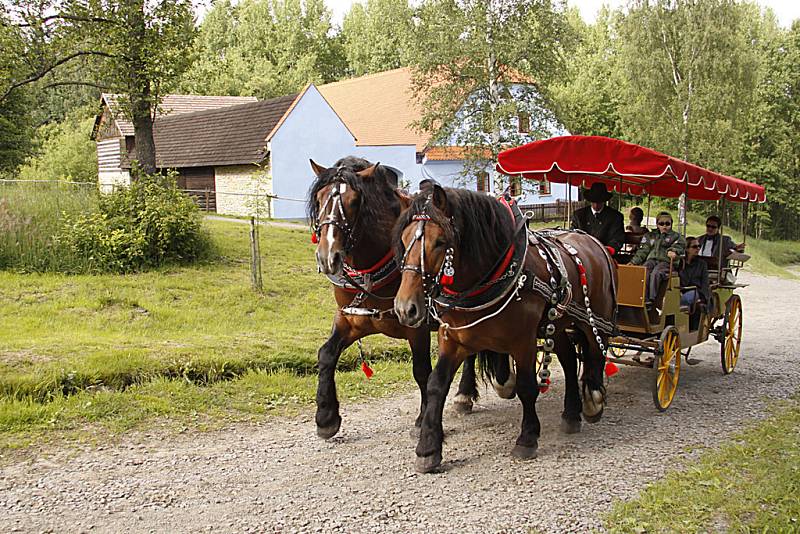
(708,246)
(596,212)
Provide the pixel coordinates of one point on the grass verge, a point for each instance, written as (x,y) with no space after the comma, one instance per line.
(108,353)
(752,484)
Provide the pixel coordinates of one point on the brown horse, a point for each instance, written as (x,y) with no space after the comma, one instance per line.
(455,245)
(353,207)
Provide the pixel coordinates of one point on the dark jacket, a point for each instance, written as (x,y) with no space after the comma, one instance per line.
(608,226)
(696,274)
(727,244)
(655,245)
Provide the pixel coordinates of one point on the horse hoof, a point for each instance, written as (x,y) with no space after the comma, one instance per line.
(593,418)
(462,407)
(524,453)
(507,390)
(570,426)
(414,433)
(327,432)
(428,464)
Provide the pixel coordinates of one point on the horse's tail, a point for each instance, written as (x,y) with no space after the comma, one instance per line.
(498,370)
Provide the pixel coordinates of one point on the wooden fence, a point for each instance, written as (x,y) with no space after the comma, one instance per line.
(556,211)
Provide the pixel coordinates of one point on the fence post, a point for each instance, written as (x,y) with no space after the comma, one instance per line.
(255,258)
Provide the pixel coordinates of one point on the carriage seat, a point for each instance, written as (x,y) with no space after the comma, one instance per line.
(629,247)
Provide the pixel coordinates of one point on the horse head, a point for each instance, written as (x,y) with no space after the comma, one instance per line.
(425,245)
(348,202)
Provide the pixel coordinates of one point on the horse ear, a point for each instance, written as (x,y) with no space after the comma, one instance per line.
(368,173)
(318,169)
(440,199)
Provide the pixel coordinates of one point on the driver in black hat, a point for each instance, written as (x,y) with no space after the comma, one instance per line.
(600,221)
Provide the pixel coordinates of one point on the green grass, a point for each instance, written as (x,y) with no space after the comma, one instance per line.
(30,216)
(182,343)
(752,484)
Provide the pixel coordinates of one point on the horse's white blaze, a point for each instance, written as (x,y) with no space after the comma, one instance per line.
(331,240)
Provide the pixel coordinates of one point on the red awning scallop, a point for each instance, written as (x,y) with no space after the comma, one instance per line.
(622,166)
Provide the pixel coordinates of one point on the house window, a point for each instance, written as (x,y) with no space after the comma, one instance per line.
(483,181)
(524,122)
(516,186)
(544,189)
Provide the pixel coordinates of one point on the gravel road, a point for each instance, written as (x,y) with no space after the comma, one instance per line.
(279,477)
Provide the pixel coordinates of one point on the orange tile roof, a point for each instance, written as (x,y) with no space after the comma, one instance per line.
(454,153)
(378,108)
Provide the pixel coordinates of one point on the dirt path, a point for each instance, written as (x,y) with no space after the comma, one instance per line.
(279,476)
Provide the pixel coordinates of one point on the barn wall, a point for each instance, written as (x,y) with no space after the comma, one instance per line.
(238,189)
(110,173)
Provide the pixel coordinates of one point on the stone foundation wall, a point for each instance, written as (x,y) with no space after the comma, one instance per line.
(240,190)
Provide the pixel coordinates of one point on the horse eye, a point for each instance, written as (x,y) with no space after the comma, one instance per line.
(440,243)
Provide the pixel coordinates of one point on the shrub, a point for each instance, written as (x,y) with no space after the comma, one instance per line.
(145,225)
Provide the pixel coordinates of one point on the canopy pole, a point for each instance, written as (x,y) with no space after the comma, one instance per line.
(647,220)
(719,254)
(745,213)
(619,195)
(569,204)
(686,207)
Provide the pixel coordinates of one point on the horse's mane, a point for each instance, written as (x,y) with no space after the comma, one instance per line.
(380,204)
(481,228)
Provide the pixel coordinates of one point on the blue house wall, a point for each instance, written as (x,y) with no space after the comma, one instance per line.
(311,130)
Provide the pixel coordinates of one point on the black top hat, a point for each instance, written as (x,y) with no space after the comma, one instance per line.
(597,193)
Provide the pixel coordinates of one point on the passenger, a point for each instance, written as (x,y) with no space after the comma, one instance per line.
(694,273)
(603,222)
(709,243)
(657,249)
(636,217)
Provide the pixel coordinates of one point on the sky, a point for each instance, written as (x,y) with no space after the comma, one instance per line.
(786,10)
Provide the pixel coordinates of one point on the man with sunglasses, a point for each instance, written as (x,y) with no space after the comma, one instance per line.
(710,242)
(658,248)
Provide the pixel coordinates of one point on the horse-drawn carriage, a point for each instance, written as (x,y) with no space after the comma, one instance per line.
(666,329)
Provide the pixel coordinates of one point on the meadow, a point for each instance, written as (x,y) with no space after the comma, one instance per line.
(89,355)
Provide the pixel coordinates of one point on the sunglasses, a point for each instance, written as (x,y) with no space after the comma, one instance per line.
(665,223)
(712,226)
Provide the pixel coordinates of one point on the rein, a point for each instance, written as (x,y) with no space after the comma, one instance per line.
(338,187)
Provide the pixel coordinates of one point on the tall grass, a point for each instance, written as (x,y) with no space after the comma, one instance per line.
(31,215)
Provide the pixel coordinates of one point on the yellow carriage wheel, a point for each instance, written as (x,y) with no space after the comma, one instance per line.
(617,352)
(732,330)
(667,364)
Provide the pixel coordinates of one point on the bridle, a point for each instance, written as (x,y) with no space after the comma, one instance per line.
(336,216)
(431,284)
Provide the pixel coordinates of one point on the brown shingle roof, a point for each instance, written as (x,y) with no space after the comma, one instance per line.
(174,105)
(229,136)
(378,108)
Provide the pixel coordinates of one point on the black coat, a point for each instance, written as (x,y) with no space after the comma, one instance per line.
(696,274)
(608,226)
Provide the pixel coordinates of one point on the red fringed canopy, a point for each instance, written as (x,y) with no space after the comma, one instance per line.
(622,166)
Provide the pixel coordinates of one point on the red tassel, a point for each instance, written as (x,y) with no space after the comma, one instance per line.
(581,268)
(543,389)
(611,369)
(584,282)
(366,369)
(447,280)
(610,250)
(314,238)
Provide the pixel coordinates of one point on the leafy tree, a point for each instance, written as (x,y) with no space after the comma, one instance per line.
(479,64)
(15,131)
(587,97)
(690,72)
(377,36)
(134,47)
(65,151)
(265,48)
(772,150)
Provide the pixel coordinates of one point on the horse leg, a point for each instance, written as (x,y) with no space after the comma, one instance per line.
(504,377)
(568,358)
(327,418)
(421,360)
(431,436)
(593,374)
(527,391)
(467,387)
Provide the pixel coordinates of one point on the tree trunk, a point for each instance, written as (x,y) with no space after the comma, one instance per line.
(494,96)
(139,90)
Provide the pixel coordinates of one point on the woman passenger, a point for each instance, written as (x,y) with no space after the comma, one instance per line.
(694,273)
